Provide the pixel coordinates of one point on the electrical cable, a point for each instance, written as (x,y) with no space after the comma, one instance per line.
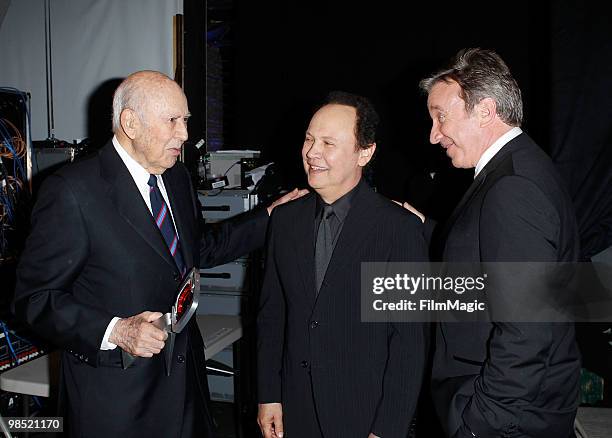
(8,341)
(14,146)
(228,169)
(24,102)
(17,336)
(37,401)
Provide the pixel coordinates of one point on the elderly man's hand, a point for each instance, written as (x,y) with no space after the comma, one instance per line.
(138,336)
(270,420)
(293,194)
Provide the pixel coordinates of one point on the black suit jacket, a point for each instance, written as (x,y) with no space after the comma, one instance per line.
(506,379)
(315,356)
(94,252)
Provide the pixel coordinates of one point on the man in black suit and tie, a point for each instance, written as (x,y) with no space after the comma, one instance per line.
(322,372)
(500,379)
(112,237)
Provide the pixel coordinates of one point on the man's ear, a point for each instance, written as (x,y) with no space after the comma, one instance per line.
(366,154)
(130,123)
(486,110)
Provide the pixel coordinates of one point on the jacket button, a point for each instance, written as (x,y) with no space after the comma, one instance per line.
(314,324)
(177,277)
(304,364)
(180,358)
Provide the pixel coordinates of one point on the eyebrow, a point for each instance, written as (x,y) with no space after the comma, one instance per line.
(175,116)
(436,107)
(326,137)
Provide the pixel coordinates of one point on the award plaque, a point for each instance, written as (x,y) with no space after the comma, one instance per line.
(176,320)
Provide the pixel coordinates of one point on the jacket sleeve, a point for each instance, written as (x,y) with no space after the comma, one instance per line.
(232,238)
(54,256)
(270,325)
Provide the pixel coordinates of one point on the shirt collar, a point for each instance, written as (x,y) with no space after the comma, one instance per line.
(139,173)
(495,148)
(341,205)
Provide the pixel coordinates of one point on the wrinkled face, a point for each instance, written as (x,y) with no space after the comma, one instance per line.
(458,132)
(332,160)
(162,130)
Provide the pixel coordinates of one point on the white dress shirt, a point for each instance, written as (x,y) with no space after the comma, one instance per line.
(495,148)
(141,179)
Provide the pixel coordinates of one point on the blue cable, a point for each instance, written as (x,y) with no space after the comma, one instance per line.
(8,143)
(7,202)
(8,342)
(9,194)
(24,100)
(19,337)
(7,206)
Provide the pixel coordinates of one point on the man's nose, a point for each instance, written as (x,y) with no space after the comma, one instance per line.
(181,130)
(313,150)
(435,135)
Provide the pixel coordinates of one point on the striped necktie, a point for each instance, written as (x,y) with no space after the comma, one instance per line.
(163,219)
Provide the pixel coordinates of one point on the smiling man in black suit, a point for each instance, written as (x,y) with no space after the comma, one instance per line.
(501,378)
(322,372)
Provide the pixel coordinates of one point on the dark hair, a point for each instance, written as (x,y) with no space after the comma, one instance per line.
(366,120)
(482,73)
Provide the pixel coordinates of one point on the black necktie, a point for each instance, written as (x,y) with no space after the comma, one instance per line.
(163,219)
(324,245)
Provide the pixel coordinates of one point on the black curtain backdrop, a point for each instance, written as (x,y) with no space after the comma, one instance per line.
(581,115)
(288,55)
(581,143)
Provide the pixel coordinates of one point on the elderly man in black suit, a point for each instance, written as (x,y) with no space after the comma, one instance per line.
(322,371)
(500,378)
(112,237)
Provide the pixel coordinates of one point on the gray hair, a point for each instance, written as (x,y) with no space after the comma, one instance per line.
(132,94)
(481,73)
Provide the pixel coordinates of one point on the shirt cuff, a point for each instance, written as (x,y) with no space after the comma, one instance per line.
(106,344)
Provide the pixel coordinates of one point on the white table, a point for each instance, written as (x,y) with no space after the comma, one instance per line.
(36,377)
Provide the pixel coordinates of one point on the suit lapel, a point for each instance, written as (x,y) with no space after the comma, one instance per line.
(128,200)
(304,244)
(358,223)
(511,147)
(180,209)
(465,201)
